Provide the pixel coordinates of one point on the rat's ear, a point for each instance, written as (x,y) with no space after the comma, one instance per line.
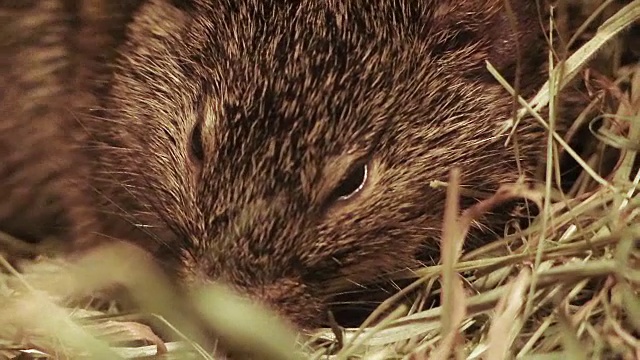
(491,23)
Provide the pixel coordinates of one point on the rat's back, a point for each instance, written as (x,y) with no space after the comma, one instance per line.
(34,138)
(50,63)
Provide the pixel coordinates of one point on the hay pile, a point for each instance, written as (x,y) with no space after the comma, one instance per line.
(567,286)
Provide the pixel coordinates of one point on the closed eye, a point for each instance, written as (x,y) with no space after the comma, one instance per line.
(196,148)
(352,183)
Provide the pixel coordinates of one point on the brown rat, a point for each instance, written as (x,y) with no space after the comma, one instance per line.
(277,145)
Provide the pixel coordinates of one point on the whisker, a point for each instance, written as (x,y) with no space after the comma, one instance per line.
(134,221)
(353,302)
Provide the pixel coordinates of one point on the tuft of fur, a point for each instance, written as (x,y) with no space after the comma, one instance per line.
(284,97)
(214,133)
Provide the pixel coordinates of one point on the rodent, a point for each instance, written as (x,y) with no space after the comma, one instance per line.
(276,145)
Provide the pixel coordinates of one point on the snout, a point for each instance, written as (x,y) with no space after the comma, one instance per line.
(290,299)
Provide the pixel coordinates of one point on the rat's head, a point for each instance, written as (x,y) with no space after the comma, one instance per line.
(280,145)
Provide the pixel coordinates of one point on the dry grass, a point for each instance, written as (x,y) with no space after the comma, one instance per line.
(568,286)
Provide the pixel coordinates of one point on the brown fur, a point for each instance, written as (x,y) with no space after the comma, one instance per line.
(36,137)
(289,96)
(52,52)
